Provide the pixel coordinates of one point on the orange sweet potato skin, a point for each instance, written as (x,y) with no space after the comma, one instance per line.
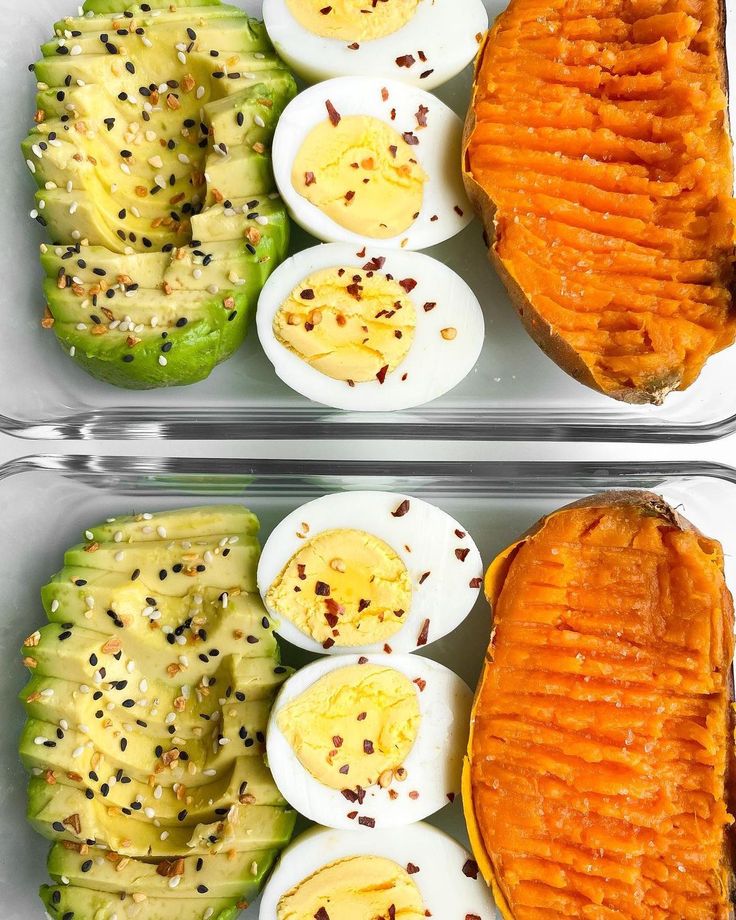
(596,783)
(618,255)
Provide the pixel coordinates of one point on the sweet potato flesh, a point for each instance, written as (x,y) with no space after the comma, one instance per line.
(599,749)
(601,136)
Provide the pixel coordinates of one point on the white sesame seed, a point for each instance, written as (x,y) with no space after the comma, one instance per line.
(259,121)
(75,50)
(130,666)
(200,92)
(72,351)
(39,739)
(118,536)
(119,556)
(54,606)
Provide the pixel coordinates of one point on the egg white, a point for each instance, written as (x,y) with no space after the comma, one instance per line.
(444,598)
(434,764)
(444,30)
(438,152)
(448,893)
(433,366)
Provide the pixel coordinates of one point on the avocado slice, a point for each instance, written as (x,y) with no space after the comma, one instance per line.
(147,708)
(245,827)
(67,902)
(132,144)
(238,878)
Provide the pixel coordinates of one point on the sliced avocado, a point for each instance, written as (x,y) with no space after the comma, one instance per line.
(147,714)
(223,877)
(130,147)
(244,828)
(67,765)
(67,902)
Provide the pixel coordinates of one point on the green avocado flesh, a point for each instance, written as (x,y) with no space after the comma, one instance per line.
(147,704)
(151,152)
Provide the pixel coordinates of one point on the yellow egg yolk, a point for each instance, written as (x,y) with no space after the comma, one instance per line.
(353,20)
(357,888)
(362,174)
(348,324)
(353,727)
(343,587)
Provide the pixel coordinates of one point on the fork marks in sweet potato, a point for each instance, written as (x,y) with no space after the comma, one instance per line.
(600,136)
(600,740)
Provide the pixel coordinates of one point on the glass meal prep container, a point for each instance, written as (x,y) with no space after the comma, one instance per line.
(514,392)
(47,502)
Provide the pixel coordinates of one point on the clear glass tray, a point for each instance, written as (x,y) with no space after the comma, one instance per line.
(515,392)
(47,501)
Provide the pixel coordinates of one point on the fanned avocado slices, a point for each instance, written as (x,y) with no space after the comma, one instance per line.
(149,694)
(151,152)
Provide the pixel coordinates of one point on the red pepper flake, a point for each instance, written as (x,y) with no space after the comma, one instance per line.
(362,660)
(328,643)
(399,612)
(354,290)
(393,114)
(353,815)
(391,912)
(349,794)
(421,683)
(462,554)
(471,869)
(367,822)
(408,284)
(458,210)
(387,648)
(322,589)
(308,326)
(434,218)
(344,770)
(322,913)
(332,620)
(429,306)
(422,56)
(421,116)
(393,150)
(460,534)
(381,375)
(362,604)
(337,741)
(384,93)
(404,377)
(426,73)
(353,46)
(349,196)
(375,264)
(475,582)
(335,117)
(307,294)
(368,747)
(351,383)
(309,179)
(451,797)
(410,138)
(406,60)
(302,570)
(411,869)
(326,10)
(424,634)
(413,795)
(402,509)
(424,577)
(360,792)
(398,334)
(361,254)
(362,716)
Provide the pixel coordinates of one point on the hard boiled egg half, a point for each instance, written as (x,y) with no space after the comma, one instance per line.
(368,572)
(409,873)
(424,42)
(371,329)
(360,159)
(369,741)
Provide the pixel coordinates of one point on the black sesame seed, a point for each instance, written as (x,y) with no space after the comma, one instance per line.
(89,793)
(86,865)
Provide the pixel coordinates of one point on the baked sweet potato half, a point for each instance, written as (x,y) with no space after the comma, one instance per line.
(595,782)
(598,156)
